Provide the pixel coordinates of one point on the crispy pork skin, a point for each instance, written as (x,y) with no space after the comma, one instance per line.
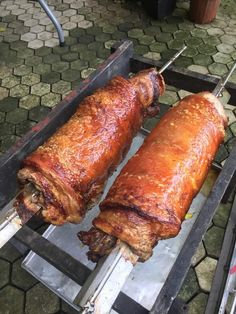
(149,199)
(70,168)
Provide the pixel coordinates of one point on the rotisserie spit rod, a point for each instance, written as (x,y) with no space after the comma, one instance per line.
(134,209)
(64,176)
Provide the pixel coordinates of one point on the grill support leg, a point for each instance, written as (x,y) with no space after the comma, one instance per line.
(57,25)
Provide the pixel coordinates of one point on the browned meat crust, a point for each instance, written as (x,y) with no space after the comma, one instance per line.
(70,168)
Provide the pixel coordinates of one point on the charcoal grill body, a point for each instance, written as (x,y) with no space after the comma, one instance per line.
(121,62)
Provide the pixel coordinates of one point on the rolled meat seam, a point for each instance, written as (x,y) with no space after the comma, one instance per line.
(65,176)
(150,197)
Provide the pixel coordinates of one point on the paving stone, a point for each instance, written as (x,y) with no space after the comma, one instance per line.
(4,274)
(230,115)
(30,79)
(164,37)
(7,142)
(199,255)
(87,55)
(11,38)
(201,33)
(228,135)
(20,277)
(169,28)
(190,52)
(175,44)
(51,77)
(146,40)
(153,55)
(50,100)
(79,65)
(8,104)
(222,58)
(23,127)
(169,98)
(9,252)
(53,42)
(19,91)
(70,75)
(198,304)
(135,33)
(198,69)
(24,53)
(77,32)
(190,286)
(42,68)
(40,89)
(7,128)
(43,51)
(17,115)
(207,49)
(203,60)
(2,116)
(181,35)
(3,93)
(60,66)
(18,45)
(150,123)
(183,62)
(230,144)
(232,128)
(51,58)
(86,73)
(222,154)
(222,214)
(119,35)
(11,300)
(214,31)
(70,56)
(158,47)
(10,81)
(34,60)
(205,272)
(38,113)
(4,71)
(37,29)
(213,241)
(225,48)
(211,40)
(77,18)
(218,69)
(22,70)
(85,24)
(228,39)
(40,300)
(28,37)
(29,102)
(61,87)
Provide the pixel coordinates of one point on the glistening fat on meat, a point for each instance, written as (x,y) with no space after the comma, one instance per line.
(67,173)
(149,199)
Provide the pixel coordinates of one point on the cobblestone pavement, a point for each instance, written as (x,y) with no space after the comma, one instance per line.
(35,74)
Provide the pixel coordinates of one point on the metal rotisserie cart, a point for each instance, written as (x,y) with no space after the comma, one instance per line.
(57,257)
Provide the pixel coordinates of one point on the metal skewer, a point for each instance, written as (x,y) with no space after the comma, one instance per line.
(167,64)
(222,82)
(109,277)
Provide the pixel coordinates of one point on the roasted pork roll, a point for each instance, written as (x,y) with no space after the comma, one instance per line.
(149,199)
(65,175)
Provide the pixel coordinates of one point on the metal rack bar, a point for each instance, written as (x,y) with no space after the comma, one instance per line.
(183,261)
(54,255)
(223,264)
(121,62)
